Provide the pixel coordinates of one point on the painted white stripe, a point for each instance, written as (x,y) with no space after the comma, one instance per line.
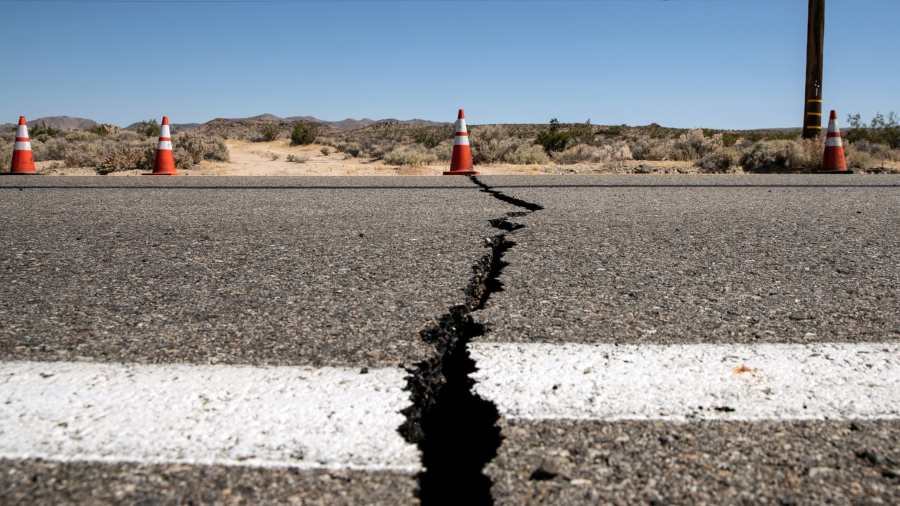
(690,382)
(22,146)
(461,125)
(461,141)
(22,131)
(295,417)
(834,142)
(164,131)
(165,145)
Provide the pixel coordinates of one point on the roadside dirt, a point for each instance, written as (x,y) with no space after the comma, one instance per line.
(279,158)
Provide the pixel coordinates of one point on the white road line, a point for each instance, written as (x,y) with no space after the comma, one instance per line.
(690,382)
(293,417)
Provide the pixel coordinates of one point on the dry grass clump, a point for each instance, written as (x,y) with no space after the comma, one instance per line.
(527,154)
(200,147)
(688,146)
(616,151)
(496,144)
(720,161)
(114,150)
(414,156)
(783,156)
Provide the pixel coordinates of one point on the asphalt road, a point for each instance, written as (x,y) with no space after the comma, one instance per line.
(341,274)
(706,260)
(234,270)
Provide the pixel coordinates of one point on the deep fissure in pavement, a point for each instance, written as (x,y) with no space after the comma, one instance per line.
(455,429)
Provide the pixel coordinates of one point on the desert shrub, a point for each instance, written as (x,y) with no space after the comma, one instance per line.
(84,155)
(199,147)
(409,155)
(304,133)
(148,128)
(351,148)
(43,131)
(644,147)
(876,151)
(429,137)
(554,139)
(527,154)
(881,130)
(719,161)
(782,156)
(860,160)
(268,132)
(118,157)
(613,152)
(296,159)
(105,130)
(6,152)
(491,144)
(694,145)
(443,151)
(325,151)
(81,136)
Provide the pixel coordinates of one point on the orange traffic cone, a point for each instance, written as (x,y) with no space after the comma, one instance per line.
(461,164)
(22,160)
(834,162)
(165,160)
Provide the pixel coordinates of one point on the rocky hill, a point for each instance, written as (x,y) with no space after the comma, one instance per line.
(64,123)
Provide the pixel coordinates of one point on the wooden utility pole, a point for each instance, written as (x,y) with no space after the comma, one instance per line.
(815,54)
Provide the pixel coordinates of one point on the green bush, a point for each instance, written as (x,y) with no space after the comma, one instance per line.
(43,131)
(268,132)
(304,133)
(149,128)
(881,130)
(554,139)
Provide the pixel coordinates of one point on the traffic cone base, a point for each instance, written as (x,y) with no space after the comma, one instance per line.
(164,164)
(22,159)
(461,162)
(834,161)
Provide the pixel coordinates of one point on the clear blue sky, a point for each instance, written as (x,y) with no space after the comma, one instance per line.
(715,63)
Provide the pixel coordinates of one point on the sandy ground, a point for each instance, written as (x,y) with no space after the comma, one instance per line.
(279,158)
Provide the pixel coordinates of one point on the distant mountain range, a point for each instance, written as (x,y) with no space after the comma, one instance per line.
(64,122)
(344,124)
(74,123)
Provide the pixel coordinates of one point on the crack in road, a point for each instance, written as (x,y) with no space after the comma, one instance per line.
(455,429)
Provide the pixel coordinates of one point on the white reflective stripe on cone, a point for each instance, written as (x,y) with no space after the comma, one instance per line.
(834,142)
(461,125)
(23,146)
(165,145)
(22,131)
(461,140)
(164,131)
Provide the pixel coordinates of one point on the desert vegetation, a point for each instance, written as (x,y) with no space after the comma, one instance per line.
(872,146)
(106,148)
(616,147)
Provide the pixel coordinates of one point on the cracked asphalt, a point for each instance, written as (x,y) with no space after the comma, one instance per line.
(720,260)
(346,272)
(235,270)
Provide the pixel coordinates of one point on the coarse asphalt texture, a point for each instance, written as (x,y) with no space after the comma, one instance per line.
(346,271)
(302,271)
(719,260)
